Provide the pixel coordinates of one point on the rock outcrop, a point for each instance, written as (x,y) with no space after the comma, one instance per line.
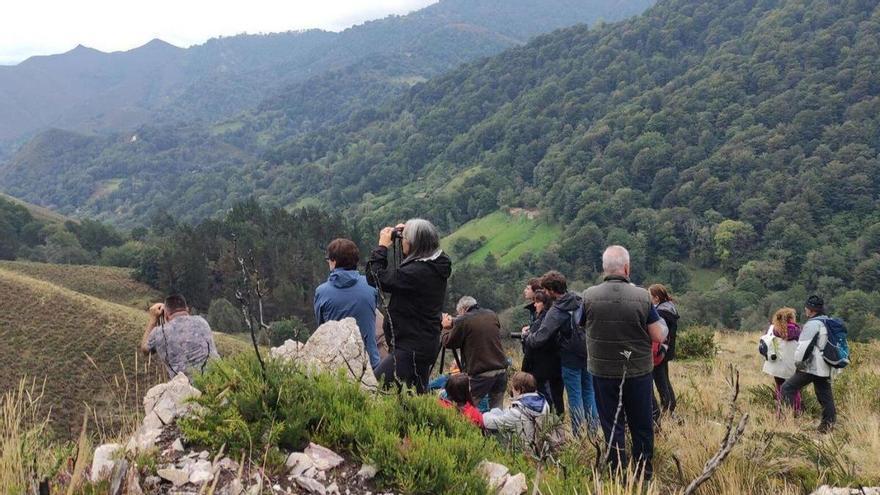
(162,405)
(335,345)
(828,490)
(499,479)
(103,461)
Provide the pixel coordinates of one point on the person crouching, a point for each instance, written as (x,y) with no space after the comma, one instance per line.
(458,395)
(182,341)
(525,417)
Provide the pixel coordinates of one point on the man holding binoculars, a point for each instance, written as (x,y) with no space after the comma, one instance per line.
(183,342)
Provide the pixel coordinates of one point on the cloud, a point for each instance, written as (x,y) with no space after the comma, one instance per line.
(39,27)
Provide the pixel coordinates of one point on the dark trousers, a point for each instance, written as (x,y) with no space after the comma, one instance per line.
(553,389)
(402,367)
(638,396)
(493,384)
(822,385)
(664,388)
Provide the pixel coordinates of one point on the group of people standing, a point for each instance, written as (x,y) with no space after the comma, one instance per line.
(794,358)
(605,349)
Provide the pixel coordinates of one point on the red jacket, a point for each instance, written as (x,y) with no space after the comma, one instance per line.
(469,411)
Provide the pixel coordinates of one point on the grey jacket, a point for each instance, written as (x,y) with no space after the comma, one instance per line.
(809,360)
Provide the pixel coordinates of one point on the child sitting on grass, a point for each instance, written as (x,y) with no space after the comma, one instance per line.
(458,395)
(526,413)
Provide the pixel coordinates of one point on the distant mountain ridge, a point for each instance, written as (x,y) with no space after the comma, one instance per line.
(86,90)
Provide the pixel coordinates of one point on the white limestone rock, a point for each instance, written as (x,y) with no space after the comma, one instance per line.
(515,485)
(495,474)
(311,485)
(323,458)
(335,345)
(177,477)
(299,463)
(102,461)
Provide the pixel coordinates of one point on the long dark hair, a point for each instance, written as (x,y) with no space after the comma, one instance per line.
(458,390)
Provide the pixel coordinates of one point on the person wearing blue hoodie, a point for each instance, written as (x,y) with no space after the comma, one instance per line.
(346,294)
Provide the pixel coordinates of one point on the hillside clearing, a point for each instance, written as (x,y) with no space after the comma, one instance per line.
(507,237)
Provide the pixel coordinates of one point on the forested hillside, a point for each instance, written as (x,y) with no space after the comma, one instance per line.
(739,135)
(86,90)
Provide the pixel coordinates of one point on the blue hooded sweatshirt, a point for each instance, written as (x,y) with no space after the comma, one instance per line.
(346,294)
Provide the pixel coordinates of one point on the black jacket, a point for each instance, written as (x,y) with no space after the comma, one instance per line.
(542,362)
(418,289)
(670,315)
(559,326)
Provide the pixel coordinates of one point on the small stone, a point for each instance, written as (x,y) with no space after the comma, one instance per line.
(495,474)
(201,472)
(310,472)
(204,454)
(177,446)
(132,486)
(102,461)
(367,472)
(298,463)
(321,476)
(151,483)
(310,484)
(333,489)
(228,464)
(234,487)
(323,458)
(515,485)
(178,477)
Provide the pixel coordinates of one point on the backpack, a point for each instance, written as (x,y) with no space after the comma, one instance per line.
(575,333)
(836,351)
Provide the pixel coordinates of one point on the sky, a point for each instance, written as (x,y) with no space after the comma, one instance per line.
(42,27)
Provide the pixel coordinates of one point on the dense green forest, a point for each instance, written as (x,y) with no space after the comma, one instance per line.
(24,236)
(738,136)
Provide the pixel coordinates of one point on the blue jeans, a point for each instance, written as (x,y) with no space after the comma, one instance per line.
(581,398)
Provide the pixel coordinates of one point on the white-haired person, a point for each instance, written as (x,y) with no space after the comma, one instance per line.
(621,323)
(477,332)
(418,289)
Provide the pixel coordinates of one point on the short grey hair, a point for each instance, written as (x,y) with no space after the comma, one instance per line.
(423,238)
(465,303)
(614,259)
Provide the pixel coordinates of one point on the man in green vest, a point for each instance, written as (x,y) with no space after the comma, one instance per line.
(621,323)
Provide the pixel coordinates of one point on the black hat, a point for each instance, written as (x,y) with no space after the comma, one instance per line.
(815,303)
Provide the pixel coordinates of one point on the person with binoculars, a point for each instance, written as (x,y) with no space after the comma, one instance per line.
(418,289)
(182,341)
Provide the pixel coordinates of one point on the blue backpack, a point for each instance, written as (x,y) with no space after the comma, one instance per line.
(836,351)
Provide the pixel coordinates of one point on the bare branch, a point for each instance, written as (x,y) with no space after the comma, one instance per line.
(732,435)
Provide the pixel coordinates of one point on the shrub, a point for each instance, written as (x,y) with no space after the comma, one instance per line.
(418,446)
(224,317)
(696,343)
(290,329)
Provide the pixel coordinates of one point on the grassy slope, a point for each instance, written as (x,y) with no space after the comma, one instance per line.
(776,456)
(507,236)
(104,282)
(39,212)
(768,452)
(84,346)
